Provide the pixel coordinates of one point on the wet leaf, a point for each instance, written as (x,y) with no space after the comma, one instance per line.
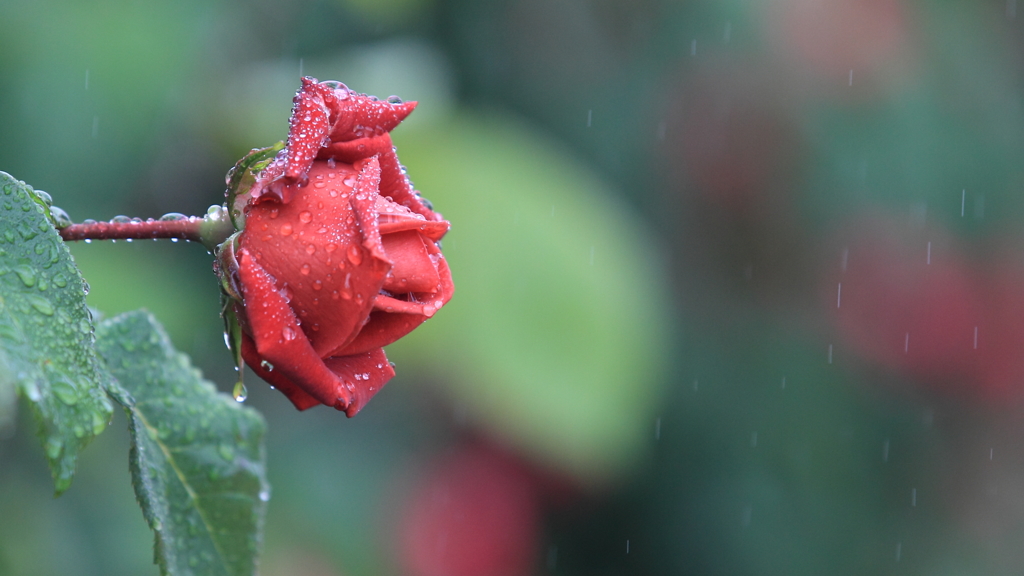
(46,334)
(197,456)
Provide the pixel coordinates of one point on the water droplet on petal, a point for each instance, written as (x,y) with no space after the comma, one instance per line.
(286,230)
(288,333)
(346,290)
(304,270)
(355,256)
(305,217)
(267,366)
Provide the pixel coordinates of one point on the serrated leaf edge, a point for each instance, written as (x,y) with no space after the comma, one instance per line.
(184,482)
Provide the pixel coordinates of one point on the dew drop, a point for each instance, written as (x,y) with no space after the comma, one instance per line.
(304,270)
(355,256)
(331,247)
(240,393)
(53,447)
(288,333)
(286,230)
(310,248)
(317,285)
(60,217)
(65,391)
(305,217)
(41,305)
(27,275)
(346,290)
(267,366)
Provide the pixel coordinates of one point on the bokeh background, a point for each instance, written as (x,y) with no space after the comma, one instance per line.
(740,285)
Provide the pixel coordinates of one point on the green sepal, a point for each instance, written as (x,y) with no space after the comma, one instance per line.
(226,266)
(241,178)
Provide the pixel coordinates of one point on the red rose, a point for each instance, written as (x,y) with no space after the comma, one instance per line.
(329,278)
(330,265)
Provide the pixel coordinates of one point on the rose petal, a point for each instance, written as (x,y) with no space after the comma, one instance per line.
(299,398)
(361,116)
(412,270)
(278,338)
(307,127)
(393,217)
(367,373)
(385,327)
(354,150)
(324,248)
(396,184)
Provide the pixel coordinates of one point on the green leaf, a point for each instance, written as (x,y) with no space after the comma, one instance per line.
(197,456)
(46,334)
(556,336)
(8,396)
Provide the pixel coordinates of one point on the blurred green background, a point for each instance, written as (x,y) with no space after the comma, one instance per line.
(740,285)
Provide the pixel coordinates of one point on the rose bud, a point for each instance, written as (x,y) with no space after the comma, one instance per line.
(326,271)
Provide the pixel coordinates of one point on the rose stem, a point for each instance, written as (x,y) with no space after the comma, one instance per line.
(209,230)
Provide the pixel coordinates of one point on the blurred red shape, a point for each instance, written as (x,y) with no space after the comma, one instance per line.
(475,513)
(920,307)
(830,38)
